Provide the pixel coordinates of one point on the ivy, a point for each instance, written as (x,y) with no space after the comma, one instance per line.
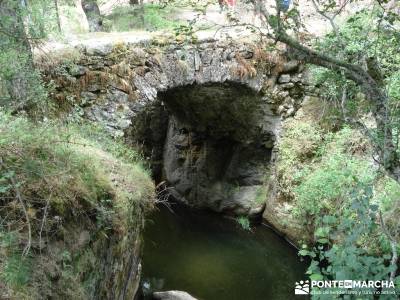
(341,254)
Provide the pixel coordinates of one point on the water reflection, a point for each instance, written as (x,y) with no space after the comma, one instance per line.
(214,259)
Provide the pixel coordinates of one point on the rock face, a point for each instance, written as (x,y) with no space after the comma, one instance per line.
(120,267)
(207,115)
(218,146)
(173,295)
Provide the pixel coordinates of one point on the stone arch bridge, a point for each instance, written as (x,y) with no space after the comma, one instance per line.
(207,115)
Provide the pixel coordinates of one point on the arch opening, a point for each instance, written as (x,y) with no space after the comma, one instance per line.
(211,144)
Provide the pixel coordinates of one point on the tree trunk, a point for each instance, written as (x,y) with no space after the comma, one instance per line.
(15,44)
(93,15)
(135,2)
(139,11)
(57,15)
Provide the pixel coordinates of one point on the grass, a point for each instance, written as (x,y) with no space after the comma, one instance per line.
(149,17)
(70,179)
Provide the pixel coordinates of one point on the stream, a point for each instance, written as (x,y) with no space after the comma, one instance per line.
(213,258)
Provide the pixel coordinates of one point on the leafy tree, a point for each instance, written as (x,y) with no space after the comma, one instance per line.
(24,90)
(58,15)
(365,71)
(140,11)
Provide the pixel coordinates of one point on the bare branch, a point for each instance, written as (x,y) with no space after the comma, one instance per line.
(43,222)
(21,201)
(330,19)
(393,245)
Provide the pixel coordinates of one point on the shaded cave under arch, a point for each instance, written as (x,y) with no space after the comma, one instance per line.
(211,143)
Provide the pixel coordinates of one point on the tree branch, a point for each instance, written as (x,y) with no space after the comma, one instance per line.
(362,77)
(21,201)
(393,245)
(331,21)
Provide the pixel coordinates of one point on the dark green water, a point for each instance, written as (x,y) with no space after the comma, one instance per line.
(212,258)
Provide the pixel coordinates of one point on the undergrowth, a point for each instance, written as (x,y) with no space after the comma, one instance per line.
(55,182)
(318,171)
(149,17)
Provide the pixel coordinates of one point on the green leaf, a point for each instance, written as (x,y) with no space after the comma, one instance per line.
(322,232)
(4,189)
(316,277)
(329,219)
(303,252)
(373,207)
(323,241)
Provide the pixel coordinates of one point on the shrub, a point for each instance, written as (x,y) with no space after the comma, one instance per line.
(317,170)
(325,189)
(347,258)
(297,146)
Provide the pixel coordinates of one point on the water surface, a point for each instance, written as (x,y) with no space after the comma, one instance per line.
(212,258)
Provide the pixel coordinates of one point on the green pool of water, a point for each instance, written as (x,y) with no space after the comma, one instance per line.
(212,258)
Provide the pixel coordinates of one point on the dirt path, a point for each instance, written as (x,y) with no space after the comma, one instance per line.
(211,21)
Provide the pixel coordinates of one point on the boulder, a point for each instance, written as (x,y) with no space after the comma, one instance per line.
(284,78)
(291,66)
(173,295)
(100,49)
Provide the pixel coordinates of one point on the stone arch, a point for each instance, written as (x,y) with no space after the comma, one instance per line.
(120,87)
(135,75)
(209,63)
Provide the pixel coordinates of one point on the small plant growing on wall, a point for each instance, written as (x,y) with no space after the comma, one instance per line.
(244,222)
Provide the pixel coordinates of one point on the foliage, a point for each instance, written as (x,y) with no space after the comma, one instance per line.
(16,270)
(99,138)
(40,153)
(320,180)
(150,17)
(42,19)
(337,191)
(350,43)
(244,222)
(339,254)
(21,87)
(16,67)
(387,195)
(298,144)
(325,188)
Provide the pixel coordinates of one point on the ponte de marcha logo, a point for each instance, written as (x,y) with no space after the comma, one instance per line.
(343,287)
(302,287)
